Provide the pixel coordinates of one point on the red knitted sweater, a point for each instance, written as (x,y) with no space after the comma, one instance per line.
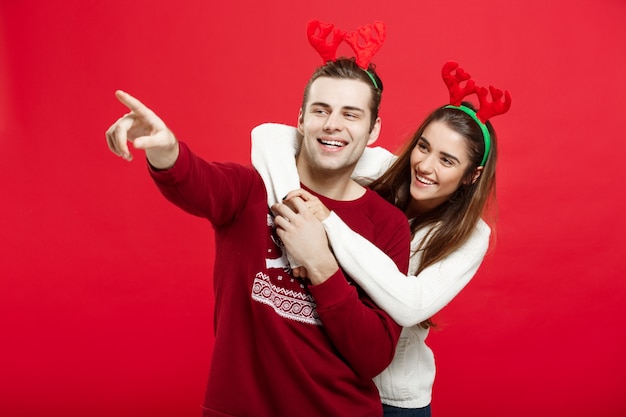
(284,348)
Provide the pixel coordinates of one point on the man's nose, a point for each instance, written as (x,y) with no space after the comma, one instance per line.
(333,122)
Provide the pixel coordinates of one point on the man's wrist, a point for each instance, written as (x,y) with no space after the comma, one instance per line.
(321,271)
(163,159)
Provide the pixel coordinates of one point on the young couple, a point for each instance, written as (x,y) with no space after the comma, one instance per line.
(323,336)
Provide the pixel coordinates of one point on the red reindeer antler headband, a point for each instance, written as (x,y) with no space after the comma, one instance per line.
(372,35)
(318,32)
(373,42)
(486,110)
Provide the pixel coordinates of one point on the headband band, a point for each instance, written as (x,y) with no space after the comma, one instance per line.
(486,136)
(373,79)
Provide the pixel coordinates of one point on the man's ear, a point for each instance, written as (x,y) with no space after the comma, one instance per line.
(375,132)
(477,173)
(300,121)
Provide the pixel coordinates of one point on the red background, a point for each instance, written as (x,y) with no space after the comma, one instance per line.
(105,289)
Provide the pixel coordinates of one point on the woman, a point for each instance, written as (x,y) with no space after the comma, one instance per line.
(450,165)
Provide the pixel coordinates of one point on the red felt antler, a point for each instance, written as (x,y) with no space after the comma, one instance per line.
(488,109)
(457,93)
(318,32)
(373,35)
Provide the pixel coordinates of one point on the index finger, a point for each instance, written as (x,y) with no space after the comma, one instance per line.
(282,210)
(299,205)
(133,104)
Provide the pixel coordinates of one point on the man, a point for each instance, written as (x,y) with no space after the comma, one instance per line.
(286,346)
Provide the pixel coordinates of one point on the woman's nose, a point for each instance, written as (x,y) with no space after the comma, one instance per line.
(426,164)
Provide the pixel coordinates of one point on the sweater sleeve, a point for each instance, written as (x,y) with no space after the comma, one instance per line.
(363,332)
(372,165)
(212,190)
(413,299)
(274,147)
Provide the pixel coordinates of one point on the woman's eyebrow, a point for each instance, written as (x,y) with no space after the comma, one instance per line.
(448,155)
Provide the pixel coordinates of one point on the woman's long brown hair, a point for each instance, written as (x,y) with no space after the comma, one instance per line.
(452,222)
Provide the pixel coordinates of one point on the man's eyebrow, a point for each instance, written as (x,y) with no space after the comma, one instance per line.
(352,108)
(344,108)
(320,104)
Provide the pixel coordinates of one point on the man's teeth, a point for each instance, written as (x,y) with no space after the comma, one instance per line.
(332,143)
(425,181)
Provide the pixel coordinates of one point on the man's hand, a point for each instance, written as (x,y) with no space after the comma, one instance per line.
(145,130)
(315,207)
(305,239)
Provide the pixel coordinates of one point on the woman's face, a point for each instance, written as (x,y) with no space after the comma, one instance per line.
(439,161)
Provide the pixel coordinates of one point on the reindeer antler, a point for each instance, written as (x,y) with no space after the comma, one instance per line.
(318,32)
(488,109)
(374,35)
(457,93)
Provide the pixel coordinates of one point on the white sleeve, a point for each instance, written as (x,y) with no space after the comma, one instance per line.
(274,147)
(413,299)
(372,165)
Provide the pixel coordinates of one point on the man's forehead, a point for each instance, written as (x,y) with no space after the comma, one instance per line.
(340,93)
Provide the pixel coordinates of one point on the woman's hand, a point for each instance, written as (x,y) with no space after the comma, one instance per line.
(314,205)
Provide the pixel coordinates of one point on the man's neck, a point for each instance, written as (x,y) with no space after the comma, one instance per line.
(334,185)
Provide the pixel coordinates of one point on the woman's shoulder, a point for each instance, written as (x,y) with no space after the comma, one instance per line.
(482,229)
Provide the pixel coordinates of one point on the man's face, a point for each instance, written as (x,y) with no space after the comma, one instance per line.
(335,125)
